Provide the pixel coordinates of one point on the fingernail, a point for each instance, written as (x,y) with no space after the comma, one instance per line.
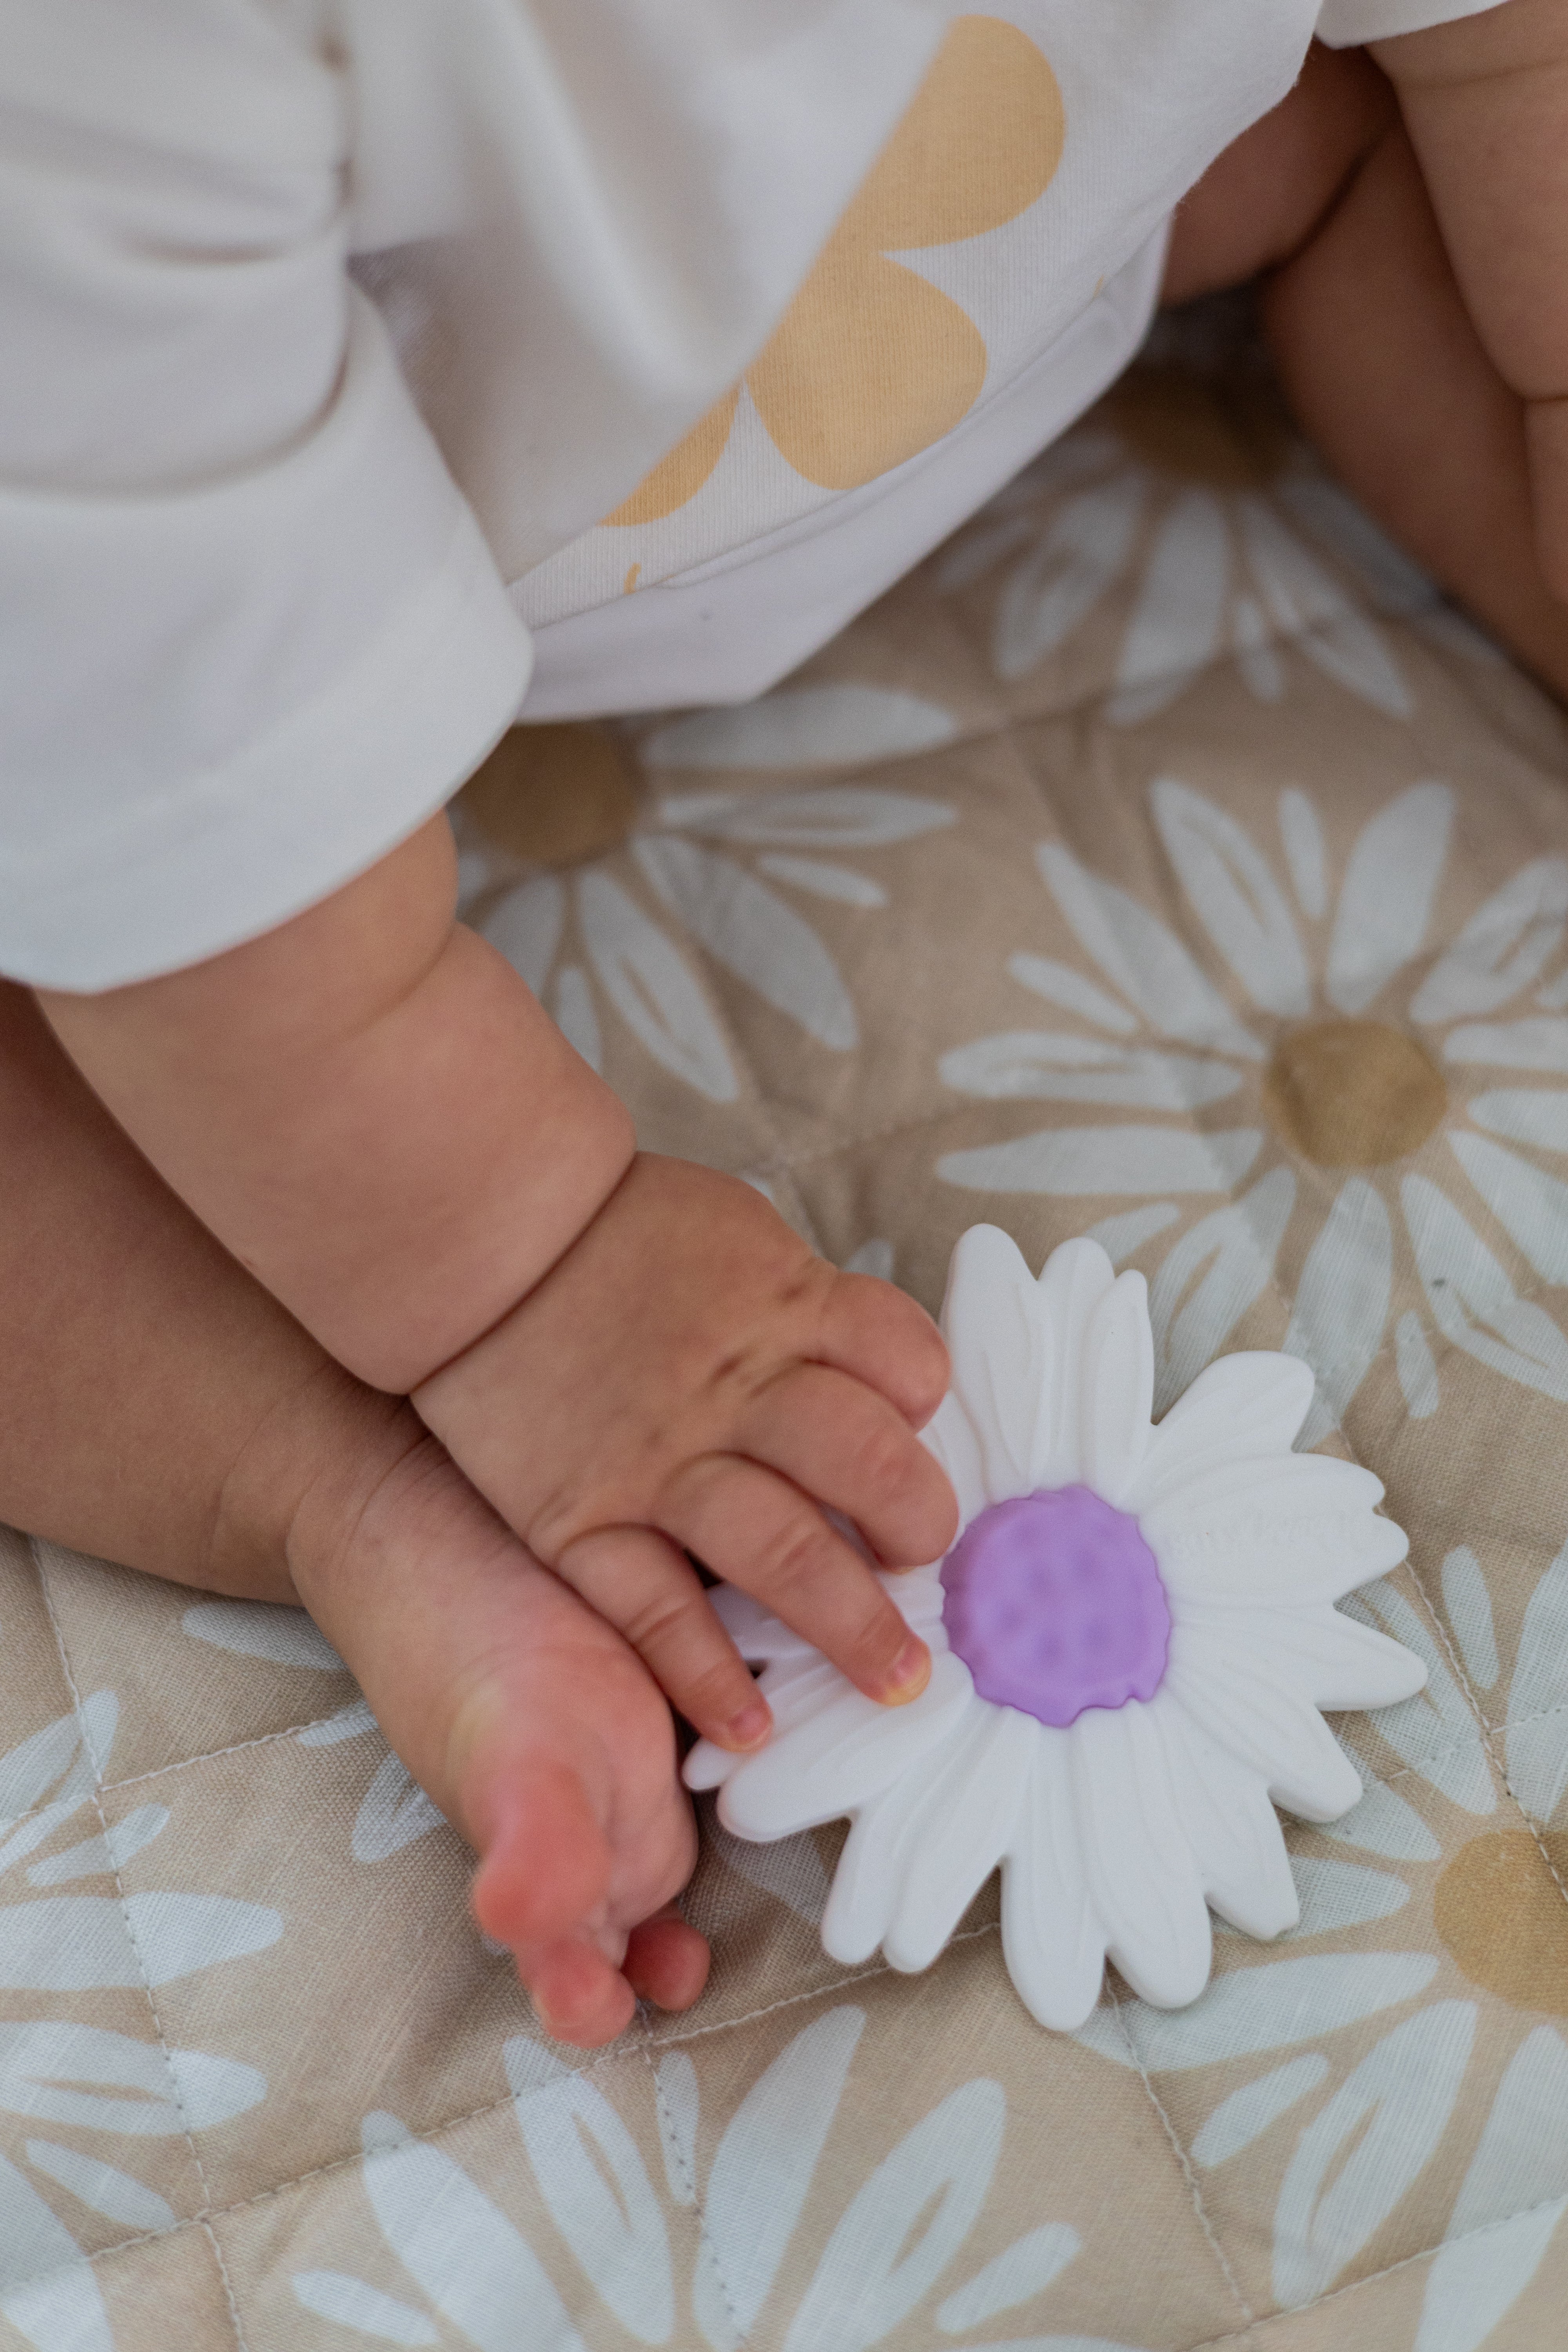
(910,1674)
(750,1727)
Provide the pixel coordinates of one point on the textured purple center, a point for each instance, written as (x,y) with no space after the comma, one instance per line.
(1054,1602)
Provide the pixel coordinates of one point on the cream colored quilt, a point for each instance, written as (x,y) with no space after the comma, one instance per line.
(1166,860)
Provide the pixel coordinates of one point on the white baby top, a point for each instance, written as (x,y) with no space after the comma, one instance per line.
(345,338)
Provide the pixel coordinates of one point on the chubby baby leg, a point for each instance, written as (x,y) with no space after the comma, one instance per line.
(157,1407)
(1374,343)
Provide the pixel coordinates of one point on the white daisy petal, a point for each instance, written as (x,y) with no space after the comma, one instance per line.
(1274,1533)
(950,1437)
(840,1758)
(1231,1827)
(1238,1409)
(1328,1658)
(1238,901)
(707,1767)
(1051,1939)
(1262,1722)
(1117,1384)
(1075,1281)
(1141,1876)
(995,1330)
(755,1631)
(917,1594)
(877,1854)
(965,1833)
(798,1688)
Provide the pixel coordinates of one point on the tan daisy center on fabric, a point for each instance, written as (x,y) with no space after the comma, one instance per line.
(1500,1911)
(553,795)
(1353,1094)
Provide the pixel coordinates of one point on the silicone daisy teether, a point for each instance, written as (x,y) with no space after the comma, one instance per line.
(1131,1638)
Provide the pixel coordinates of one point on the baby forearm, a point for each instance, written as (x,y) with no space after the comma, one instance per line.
(371,1111)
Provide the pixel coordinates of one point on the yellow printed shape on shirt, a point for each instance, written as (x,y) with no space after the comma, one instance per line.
(871,362)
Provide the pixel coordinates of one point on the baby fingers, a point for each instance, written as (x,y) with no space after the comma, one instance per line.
(760,1533)
(841,1442)
(645,1587)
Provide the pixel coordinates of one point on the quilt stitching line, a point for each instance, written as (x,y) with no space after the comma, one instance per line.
(1183,2166)
(474,2115)
(1457,1747)
(1497,1764)
(235,1748)
(689,2176)
(202,2219)
(493,2106)
(1354,2286)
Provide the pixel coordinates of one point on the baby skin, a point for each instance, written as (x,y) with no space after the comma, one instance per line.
(386,1314)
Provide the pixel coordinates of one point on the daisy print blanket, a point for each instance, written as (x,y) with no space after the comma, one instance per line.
(1164,863)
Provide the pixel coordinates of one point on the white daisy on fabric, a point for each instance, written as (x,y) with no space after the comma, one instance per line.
(1131,1638)
(1214,546)
(724,868)
(1356,1055)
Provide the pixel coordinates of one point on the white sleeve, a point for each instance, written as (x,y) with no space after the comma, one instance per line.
(1346,24)
(250,634)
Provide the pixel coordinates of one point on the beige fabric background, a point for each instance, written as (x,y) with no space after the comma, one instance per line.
(1282,1012)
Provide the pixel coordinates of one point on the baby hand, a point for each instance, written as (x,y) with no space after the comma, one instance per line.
(690,1378)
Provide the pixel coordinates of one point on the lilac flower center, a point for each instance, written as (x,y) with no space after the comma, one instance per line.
(1054,1602)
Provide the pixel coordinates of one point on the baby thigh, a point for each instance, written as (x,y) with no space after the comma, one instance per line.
(1265,197)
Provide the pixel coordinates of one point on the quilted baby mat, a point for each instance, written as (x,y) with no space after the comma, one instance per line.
(1164,861)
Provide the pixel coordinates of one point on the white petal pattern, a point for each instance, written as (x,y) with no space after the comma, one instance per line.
(1341,1309)
(1530,1206)
(1385,904)
(830,726)
(752,933)
(1506,944)
(1143,958)
(1079,557)
(1084,1160)
(1226,1261)
(1463,1280)
(1240,905)
(1043,1066)
(1174,630)
(1391,2114)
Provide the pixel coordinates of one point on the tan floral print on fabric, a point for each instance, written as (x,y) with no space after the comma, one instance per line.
(872,364)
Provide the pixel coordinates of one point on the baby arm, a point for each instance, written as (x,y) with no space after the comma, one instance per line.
(1485,100)
(631,1358)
